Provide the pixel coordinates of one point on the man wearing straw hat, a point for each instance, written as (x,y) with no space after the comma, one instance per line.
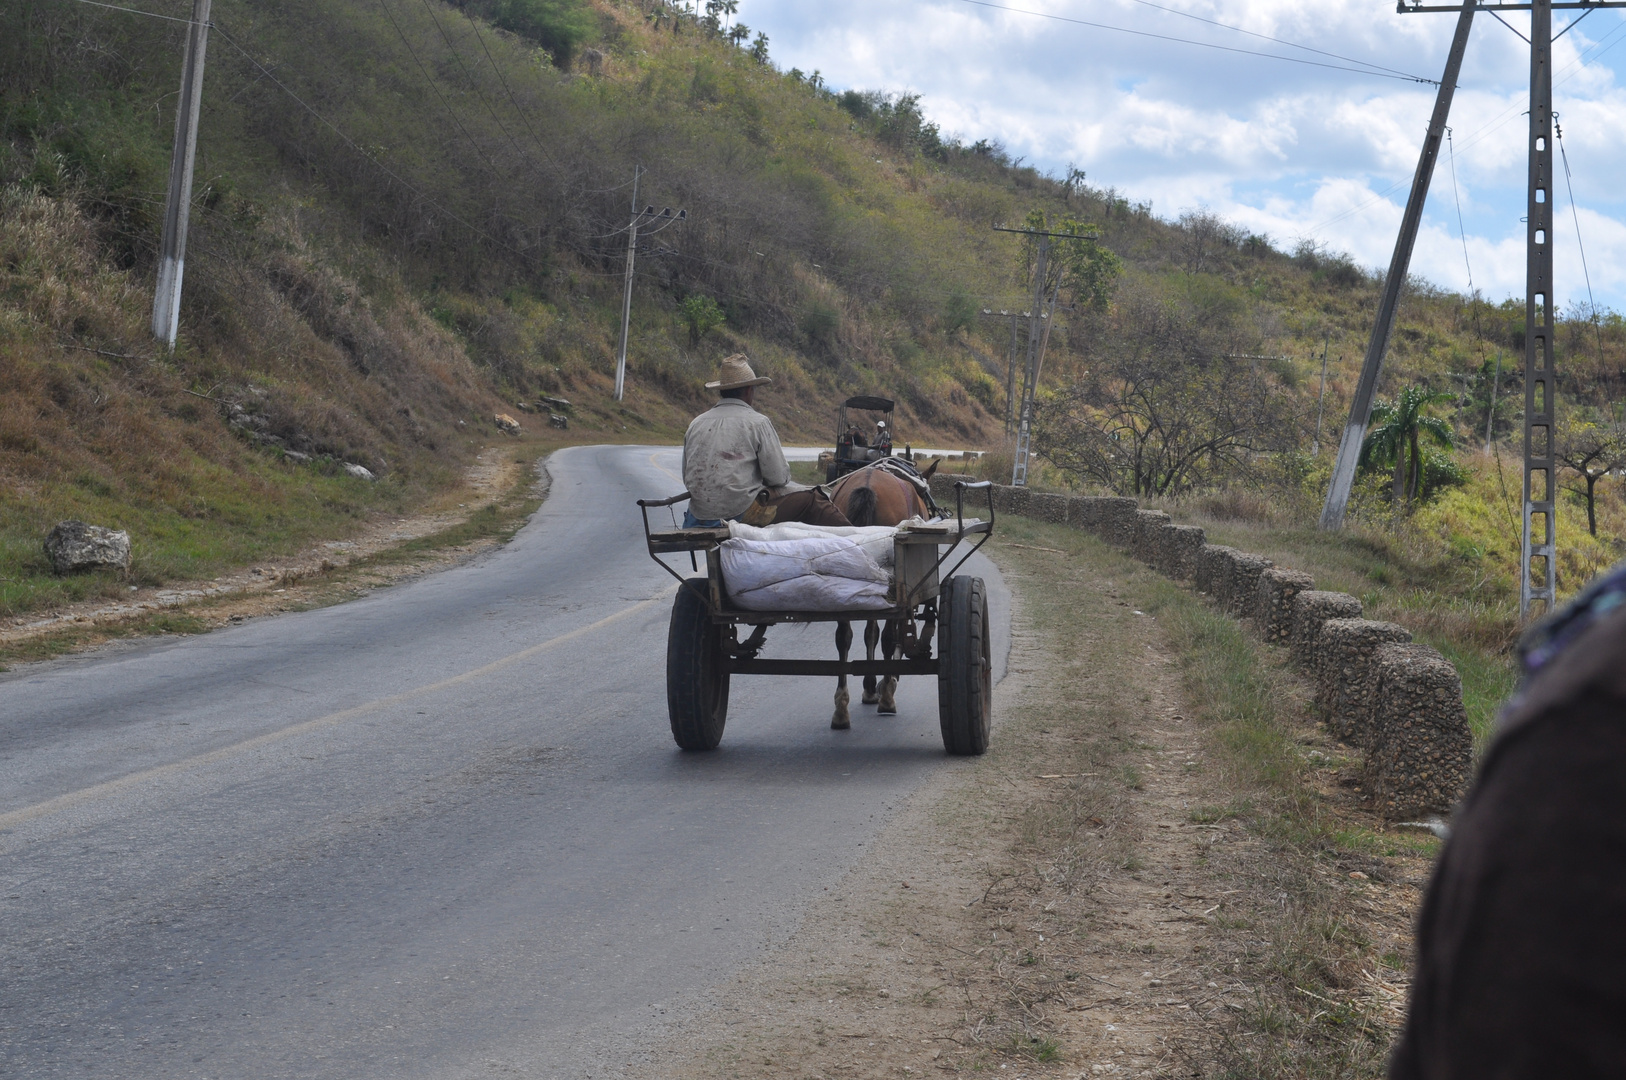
(734,466)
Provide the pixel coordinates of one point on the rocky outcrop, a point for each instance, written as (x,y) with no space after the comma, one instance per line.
(72,546)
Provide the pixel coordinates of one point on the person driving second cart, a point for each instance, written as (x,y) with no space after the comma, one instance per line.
(734,466)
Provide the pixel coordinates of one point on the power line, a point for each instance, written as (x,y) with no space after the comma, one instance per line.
(1574,213)
(136,11)
(495,172)
(1281,41)
(348,141)
(1201,44)
(1494,125)
(429,7)
(503,79)
(1462,232)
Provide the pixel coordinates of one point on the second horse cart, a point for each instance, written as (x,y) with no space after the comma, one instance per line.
(938,623)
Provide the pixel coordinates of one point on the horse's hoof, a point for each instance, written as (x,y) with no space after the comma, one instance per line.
(888,708)
(840,722)
(870,699)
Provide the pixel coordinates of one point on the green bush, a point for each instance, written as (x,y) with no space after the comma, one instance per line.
(559,26)
(701,315)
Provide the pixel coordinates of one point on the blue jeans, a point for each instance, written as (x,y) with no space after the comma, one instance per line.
(692,522)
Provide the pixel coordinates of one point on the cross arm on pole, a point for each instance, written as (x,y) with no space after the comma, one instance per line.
(1408,9)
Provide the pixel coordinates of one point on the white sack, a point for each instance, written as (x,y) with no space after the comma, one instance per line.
(813,573)
(876,540)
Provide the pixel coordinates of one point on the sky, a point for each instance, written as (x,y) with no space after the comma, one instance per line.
(1290,150)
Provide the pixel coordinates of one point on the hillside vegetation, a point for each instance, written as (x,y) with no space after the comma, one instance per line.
(408,215)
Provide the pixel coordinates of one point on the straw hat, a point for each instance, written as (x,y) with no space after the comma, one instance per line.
(736,374)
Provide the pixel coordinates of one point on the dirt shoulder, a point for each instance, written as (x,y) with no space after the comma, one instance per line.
(1154,872)
(499,490)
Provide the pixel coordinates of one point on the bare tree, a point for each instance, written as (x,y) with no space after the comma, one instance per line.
(1592,451)
(1168,403)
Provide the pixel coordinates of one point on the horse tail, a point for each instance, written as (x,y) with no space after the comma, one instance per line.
(861,506)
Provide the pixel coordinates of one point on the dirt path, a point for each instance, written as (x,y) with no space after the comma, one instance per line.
(1094,897)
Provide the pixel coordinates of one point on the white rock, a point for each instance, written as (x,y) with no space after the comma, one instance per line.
(360,472)
(74,545)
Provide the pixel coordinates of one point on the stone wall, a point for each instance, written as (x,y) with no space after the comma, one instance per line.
(1343,665)
(1273,602)
(1401,704)
(1242,592)
(1178,546)
(1143,542)
(1051,508)
(1420,753)
(942,485)
(1212,576)
(1311,610)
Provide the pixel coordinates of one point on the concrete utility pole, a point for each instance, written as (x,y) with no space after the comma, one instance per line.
(1036,341)
(1538,566)
(1360,409)
(166,301)
(1540,386)
(639,217)
(626,300)
(1010,361)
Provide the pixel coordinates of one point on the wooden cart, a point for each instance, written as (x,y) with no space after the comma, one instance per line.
(704,647)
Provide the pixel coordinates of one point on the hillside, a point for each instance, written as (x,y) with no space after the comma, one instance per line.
(409,218)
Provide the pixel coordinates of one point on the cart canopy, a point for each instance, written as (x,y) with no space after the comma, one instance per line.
(870,404)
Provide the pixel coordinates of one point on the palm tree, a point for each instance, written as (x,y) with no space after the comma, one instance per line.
(1396,435)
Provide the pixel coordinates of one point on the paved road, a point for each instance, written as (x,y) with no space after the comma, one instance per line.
(438,832)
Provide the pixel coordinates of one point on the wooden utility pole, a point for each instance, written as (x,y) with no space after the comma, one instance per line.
(1321,398)
(1036,342)
(166,301)
(1010,361)
(1360,409)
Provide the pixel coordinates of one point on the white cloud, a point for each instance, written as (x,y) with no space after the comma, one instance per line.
(1284,148)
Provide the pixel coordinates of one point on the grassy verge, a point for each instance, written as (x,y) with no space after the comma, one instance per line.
(319,586)
(1324,974)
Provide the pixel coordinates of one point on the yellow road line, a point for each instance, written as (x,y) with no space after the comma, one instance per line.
(663,468)
(111,787)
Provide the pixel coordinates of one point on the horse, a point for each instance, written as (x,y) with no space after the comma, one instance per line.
(874,495)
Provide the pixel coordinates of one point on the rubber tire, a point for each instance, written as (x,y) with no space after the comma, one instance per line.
(696,684)
(965,677)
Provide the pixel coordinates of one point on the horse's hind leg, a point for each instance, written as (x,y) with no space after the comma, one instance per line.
(872,636)
(890,646)
(841,720)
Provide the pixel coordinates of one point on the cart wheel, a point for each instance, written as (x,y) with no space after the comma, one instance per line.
(964,676)
(832,474)
(696,684)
